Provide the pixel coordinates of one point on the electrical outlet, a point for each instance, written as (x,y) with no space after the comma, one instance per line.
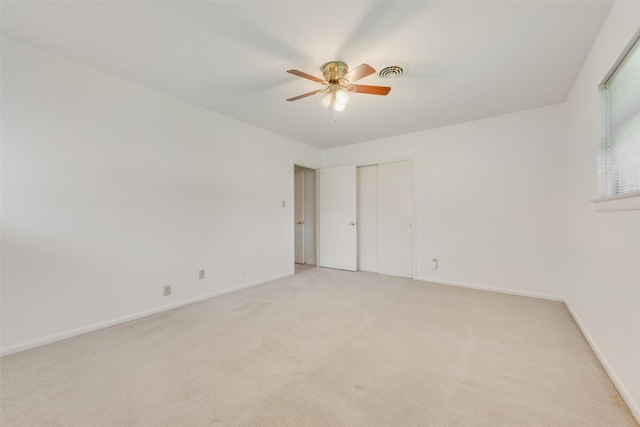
(201,275)
(243,273)
(434,263)
(167,290)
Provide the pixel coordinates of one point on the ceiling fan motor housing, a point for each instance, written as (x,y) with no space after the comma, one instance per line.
(333,71)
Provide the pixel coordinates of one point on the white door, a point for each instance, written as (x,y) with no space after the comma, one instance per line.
(298,209)
(395,218)
(310,218)
(368,218)
(337,236)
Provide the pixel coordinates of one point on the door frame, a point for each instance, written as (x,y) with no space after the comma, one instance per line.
(298,228)
(292,210)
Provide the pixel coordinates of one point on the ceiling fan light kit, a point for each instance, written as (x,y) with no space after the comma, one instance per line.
(339,82)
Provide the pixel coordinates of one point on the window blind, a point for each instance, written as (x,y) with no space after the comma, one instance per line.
(619,154)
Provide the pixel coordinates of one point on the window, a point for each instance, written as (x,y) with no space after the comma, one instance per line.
(619,135)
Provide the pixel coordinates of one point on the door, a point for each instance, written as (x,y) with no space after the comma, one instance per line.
(337,236)
(395,219)
(368,218)
(310,217)
(298,212)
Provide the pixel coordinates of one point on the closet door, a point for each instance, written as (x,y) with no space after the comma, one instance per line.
(337,234)
(310,218)
(368,218)
(395,217)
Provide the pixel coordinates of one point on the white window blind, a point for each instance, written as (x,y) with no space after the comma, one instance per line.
(619,153)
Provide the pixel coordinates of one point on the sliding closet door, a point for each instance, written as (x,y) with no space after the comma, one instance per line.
(395,217)
(337,234)
(310,218)
(368,218)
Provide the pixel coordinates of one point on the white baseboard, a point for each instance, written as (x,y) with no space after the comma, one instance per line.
(310,261)
(634,406)
(101,325)
(492,289)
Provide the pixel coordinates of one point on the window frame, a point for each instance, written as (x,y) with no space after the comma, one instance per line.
(629,200)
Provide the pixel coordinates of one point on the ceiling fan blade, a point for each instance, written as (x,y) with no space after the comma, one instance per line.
(306,76)
(295,98)
(372,90)
(359,72)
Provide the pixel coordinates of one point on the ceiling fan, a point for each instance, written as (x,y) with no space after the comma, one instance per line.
(339,82)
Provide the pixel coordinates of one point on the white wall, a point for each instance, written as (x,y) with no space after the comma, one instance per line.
(603,254)
(490,199)
(112,190)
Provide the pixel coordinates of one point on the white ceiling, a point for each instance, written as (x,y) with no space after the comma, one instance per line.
(465,60)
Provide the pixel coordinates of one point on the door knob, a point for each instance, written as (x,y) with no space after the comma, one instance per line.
(300,222)
(353,223)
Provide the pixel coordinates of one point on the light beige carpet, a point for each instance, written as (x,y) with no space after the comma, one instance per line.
(323,348)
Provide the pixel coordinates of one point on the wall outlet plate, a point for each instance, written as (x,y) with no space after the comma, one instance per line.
(201,275)
(167,290)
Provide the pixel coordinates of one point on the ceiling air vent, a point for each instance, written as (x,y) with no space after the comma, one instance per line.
(391,72)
